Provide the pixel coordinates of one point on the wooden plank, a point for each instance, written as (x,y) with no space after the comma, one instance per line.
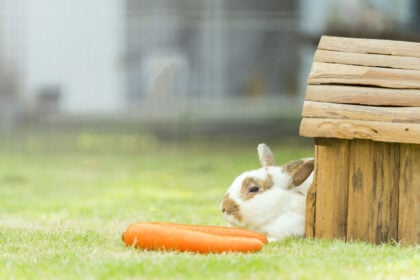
(363,95)
(311,204)
(313,109)
(332,171)
(377,60)
(310,211)
(333,73)
(373,191)
(409,195)
(374,46)
(356,129)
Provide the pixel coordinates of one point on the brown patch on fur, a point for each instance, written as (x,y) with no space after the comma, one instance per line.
(230,207)
(250,182)
(291,167)
(299,170)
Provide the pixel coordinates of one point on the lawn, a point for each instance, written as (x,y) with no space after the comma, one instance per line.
(66,200)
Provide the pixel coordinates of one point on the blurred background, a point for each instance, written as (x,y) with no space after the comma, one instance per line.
(173,69)
(117,111)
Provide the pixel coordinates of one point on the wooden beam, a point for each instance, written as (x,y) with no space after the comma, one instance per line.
(332,171)
(353,129)
(313,109)
(409,195)
(375,46)
(310,211)
(377,60)
(363,95)
(332,73)
(373,191)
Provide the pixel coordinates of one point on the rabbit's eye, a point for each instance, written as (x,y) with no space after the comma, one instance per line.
(254,189)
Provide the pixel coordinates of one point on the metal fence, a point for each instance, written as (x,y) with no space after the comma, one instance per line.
(160,59)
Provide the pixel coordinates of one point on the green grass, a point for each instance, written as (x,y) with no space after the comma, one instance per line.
(64,204)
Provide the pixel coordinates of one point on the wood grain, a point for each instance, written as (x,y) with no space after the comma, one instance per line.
(370,46)
(310,211)
(356,129)
(373,191)
(409,195)
(313,109)
(332,73)
(361,90)
(377,60)
(332,171)
(363,95)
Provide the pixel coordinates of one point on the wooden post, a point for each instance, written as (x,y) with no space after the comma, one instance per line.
(332,177)
(310,211)
(373,197)
(409,195)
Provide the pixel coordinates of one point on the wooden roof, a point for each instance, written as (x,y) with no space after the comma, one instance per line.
(364,89)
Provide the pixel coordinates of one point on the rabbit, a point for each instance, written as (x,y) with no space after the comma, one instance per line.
(270,200)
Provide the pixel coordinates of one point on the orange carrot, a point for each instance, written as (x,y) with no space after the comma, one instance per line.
(155,236)
(218,230)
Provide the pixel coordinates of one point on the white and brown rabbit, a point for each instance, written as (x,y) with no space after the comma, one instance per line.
(270,200)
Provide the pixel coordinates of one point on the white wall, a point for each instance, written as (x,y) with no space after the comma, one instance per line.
(76,45)
(12,29)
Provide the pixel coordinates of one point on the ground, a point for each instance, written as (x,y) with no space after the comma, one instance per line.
(65,200)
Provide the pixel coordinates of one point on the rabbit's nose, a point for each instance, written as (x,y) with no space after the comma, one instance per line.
(231,208)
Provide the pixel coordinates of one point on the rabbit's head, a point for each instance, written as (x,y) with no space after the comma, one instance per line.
(272,199)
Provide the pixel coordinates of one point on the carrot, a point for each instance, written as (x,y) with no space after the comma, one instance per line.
(155,236)
(218,230)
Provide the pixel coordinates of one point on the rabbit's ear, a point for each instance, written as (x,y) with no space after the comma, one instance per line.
(299,170)
(266,156)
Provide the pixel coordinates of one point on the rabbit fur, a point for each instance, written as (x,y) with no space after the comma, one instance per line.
(270,200)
